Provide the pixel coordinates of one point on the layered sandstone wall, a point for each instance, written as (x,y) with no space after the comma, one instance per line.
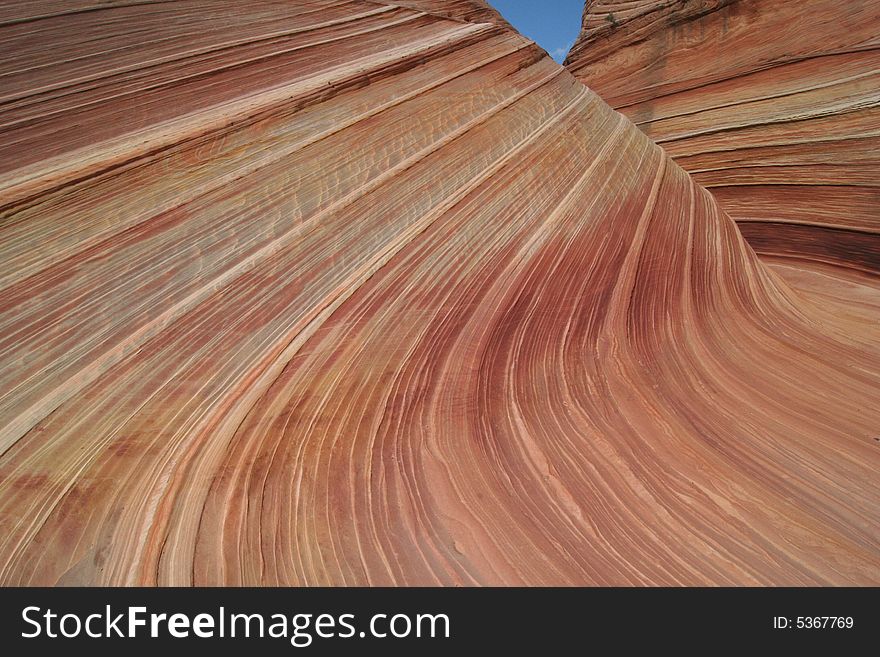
(771,104)
(349,293)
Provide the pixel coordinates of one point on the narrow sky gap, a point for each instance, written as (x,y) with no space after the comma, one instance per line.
(552,24)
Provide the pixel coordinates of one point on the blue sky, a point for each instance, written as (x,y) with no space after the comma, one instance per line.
(552,24)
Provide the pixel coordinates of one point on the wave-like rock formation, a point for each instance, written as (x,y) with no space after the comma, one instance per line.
(338,292)
(774,105)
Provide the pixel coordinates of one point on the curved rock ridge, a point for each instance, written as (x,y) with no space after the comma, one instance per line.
(472,11)
(337,292)
(771,104)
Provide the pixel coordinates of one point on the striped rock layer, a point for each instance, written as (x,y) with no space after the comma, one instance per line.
(338,292)
(774,105)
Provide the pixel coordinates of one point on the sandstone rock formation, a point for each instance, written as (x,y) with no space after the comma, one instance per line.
(774,105)
(335,292)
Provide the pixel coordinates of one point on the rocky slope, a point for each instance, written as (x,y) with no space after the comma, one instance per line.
(771,104)
(337,292)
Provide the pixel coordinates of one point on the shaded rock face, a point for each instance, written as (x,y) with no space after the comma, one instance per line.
(351,293)
(771,104)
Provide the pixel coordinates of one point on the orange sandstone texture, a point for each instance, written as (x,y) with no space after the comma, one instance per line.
(771,104)
(336,292)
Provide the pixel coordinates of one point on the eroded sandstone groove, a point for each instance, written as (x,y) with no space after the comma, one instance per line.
(332,292)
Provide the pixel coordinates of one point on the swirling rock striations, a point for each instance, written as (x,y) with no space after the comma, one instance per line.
(338,292)
(771,104)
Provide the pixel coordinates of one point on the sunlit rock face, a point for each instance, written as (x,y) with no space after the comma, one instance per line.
(358,293)
(771,104)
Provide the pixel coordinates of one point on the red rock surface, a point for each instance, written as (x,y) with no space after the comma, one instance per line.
(338,292)
(771,104)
